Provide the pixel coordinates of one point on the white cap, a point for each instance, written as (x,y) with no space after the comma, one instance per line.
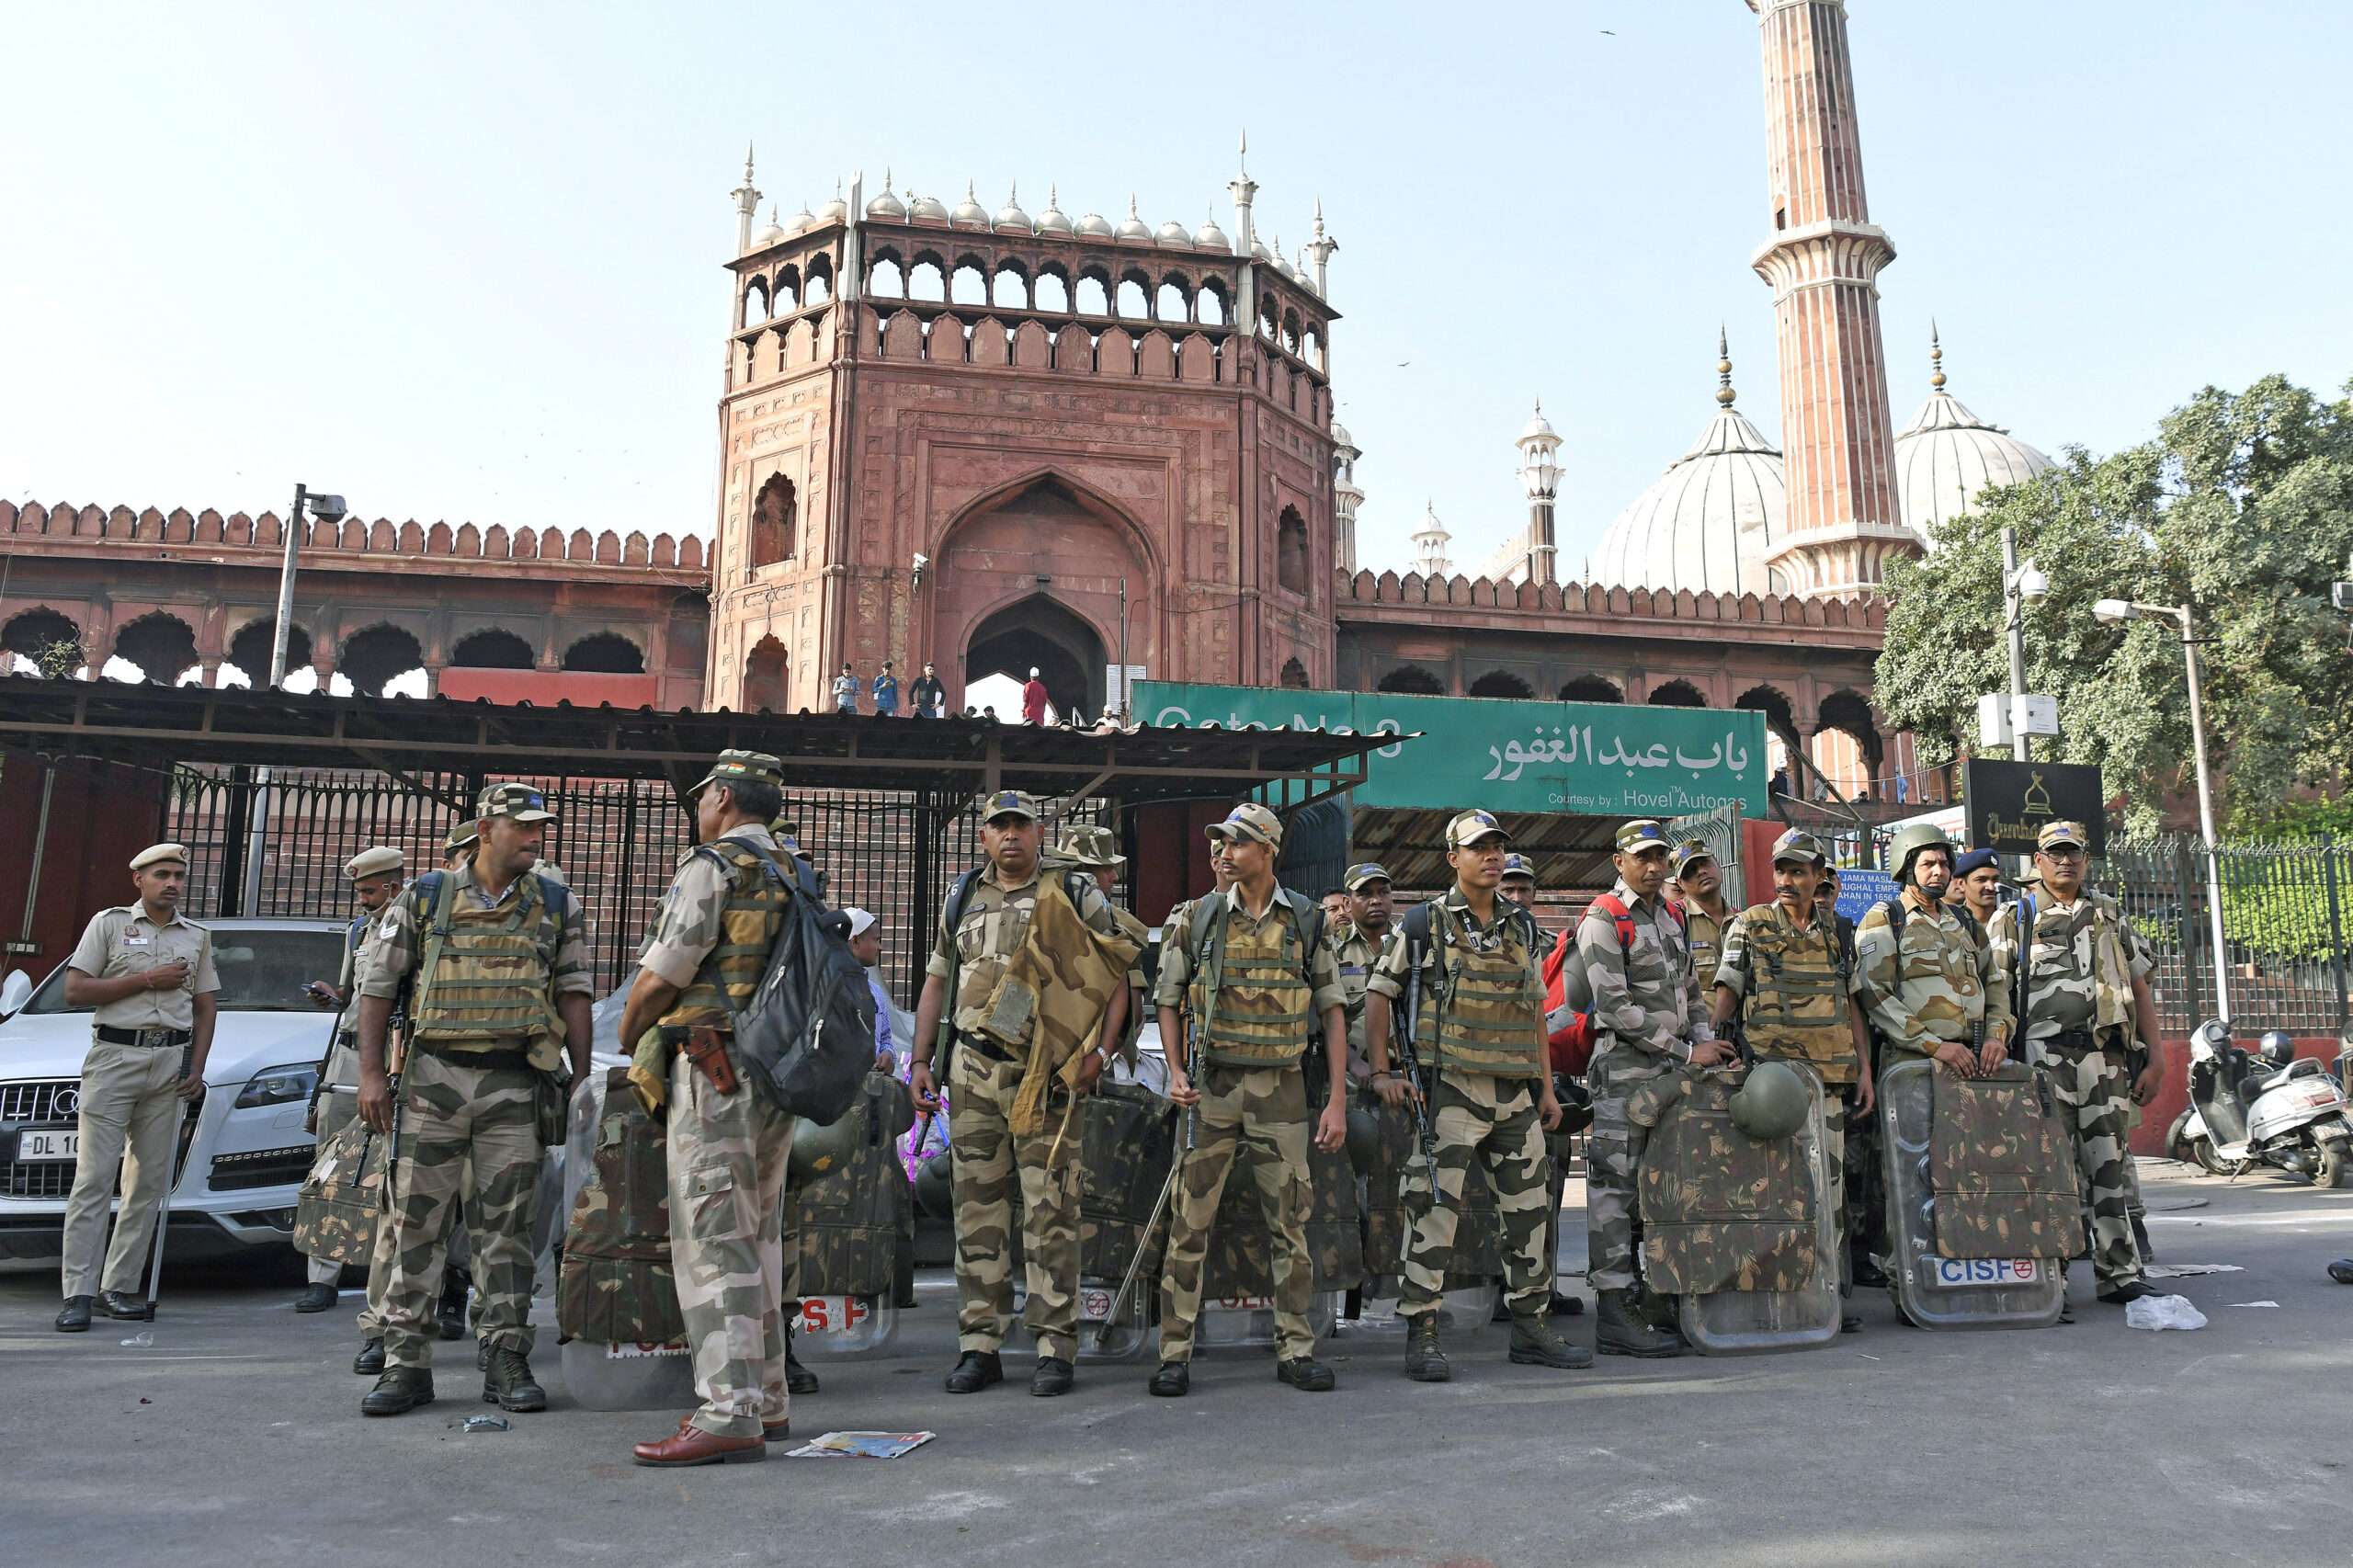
(1033,672)
(860,921)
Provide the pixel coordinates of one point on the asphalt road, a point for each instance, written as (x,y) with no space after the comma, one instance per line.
(237,1438)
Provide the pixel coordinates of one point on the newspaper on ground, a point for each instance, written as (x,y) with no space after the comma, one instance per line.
(862,1444)
(2184,1270)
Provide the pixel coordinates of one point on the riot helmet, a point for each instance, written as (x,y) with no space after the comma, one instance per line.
(1909,843)
(1773,1102)
(2276,1047)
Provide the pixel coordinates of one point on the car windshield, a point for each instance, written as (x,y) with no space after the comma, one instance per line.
(261,971)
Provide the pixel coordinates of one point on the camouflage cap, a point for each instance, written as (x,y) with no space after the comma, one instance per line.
(1689,849)
(374,862)
(1640,834)
(743,767)
(1010,803)
(1251,821)
(1801,847)
(461,836)
(1362,872)
(517,803)
(786,835)
(156,853)
(1520,866)
(1086,843)
(1473,826)
(2060,833)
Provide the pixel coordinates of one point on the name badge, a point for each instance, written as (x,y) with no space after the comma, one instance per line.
(135,941)
(1352,968)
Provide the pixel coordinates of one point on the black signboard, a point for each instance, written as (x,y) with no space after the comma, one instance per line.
(2011,802)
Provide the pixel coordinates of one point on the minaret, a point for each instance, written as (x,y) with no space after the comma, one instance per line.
(747,203)
(1822,261)
(1320,249)
(1345,496)
(1540,471)
(1429,545)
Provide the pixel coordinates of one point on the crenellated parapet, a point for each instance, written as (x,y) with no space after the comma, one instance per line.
(1366,595)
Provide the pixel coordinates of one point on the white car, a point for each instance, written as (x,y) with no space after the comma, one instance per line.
(239,1177)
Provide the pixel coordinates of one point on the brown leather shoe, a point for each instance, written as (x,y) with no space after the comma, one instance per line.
(776,1431)
(691,1444)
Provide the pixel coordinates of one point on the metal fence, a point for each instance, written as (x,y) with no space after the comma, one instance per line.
(617,841)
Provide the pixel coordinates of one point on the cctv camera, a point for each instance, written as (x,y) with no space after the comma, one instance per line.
(921,561)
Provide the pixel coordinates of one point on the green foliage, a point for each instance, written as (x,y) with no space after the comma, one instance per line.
(59,660)
(2297,821)
(2244,507)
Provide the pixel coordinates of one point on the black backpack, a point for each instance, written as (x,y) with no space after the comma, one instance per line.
(806,1037)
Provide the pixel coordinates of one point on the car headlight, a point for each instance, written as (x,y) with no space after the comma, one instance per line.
(276,1086)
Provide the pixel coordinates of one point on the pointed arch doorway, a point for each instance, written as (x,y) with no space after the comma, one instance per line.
(1041,634)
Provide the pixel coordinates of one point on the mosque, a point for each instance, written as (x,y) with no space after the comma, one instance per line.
(992,440)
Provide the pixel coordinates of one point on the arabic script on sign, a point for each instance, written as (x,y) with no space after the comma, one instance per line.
(1579,746)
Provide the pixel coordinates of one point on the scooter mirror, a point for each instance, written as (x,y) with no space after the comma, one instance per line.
(2214,1035)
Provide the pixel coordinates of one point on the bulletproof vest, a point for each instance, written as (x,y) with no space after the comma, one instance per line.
(1797,1008)
(748,923)
(488,989)
(1720,1211)
(617,1285)
(2001,1168)
(1490,1018)
(1260,1015)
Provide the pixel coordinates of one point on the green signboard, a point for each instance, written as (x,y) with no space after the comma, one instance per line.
(1590,758)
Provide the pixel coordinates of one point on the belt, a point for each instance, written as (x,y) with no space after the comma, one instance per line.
(506,1058)
(2075,1040)
(154,1037)
(985,1046)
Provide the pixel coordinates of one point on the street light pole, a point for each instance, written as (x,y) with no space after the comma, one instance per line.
(2010,585)
(328,509)
(2124,610)
(278,641)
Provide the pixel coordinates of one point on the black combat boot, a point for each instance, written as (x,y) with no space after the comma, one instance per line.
(976,1370)
(1536,1342)
(1424,1360)
(398,1392)
(1173,1381)
(1620,1328)
(1306,1374)
(2341,1271)
(1053,1376)
(509,1384)
(75,1318)
(451,1317)
(315,1297)
(799,1380)
(2130,1291)
(369,1362)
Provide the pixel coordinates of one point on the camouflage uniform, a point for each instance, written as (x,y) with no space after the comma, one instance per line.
(990,1158)
(1481,1025)
(1704,934)
(471,1131)
(1806,1019)
(726,1150)
(1354,953)
(1265,1018)
(1930,985)
(2078,1022)
(1647,1012)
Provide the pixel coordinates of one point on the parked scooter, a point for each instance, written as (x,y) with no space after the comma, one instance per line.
(2262,1108)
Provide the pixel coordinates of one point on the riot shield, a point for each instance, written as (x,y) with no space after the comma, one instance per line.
(1738,1228)
(617,1302)
(1981,1197)
(1395,1189)
(852,1215)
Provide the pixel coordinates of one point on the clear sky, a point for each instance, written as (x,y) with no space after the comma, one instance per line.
(464,263)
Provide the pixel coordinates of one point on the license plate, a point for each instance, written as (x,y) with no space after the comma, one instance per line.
(49,1144)
(834,1314)
(1951,1272)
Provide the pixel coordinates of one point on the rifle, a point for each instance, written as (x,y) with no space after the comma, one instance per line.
(1409,1060)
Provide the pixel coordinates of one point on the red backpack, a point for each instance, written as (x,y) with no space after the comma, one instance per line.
(1571,1041)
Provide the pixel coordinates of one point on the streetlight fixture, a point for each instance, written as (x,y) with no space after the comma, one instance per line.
(330,510)
(2115,611)
(2023,583)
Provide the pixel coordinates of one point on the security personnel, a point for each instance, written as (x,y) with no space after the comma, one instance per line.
(727,1145)
(1356,946)
(1977,888)
(1699,889)
(975,951)
(1649,1017)
(1257,989)
(2086,982)
(1519,882)
(499,989)
(149,976)
(1479,1032)
(376,875)
(1787,976)
(1095,850)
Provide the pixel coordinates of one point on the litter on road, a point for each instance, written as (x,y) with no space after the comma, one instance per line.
(862,1444)
(2159,1313)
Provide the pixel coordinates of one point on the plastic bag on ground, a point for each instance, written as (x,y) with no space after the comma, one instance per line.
(2157,1312)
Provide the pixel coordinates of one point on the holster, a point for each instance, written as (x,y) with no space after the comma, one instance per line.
(706,1048)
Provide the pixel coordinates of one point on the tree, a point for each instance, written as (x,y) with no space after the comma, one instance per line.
(2244,507)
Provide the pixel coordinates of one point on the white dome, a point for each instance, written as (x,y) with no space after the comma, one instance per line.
(1539,428)
(1208,237)
(968,214)
(801,223)
(1172,232)
(1340,435)
(1133,228)
(927,210)
(1010,219)
(886,207)
(1947,455)
(833,211)
(1709,520)
(1095,226)
(1053,220)
(770,235)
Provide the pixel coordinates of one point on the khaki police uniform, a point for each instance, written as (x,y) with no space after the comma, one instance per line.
(130,1091)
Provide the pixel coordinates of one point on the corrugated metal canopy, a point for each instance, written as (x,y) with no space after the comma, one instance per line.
(1570,852)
